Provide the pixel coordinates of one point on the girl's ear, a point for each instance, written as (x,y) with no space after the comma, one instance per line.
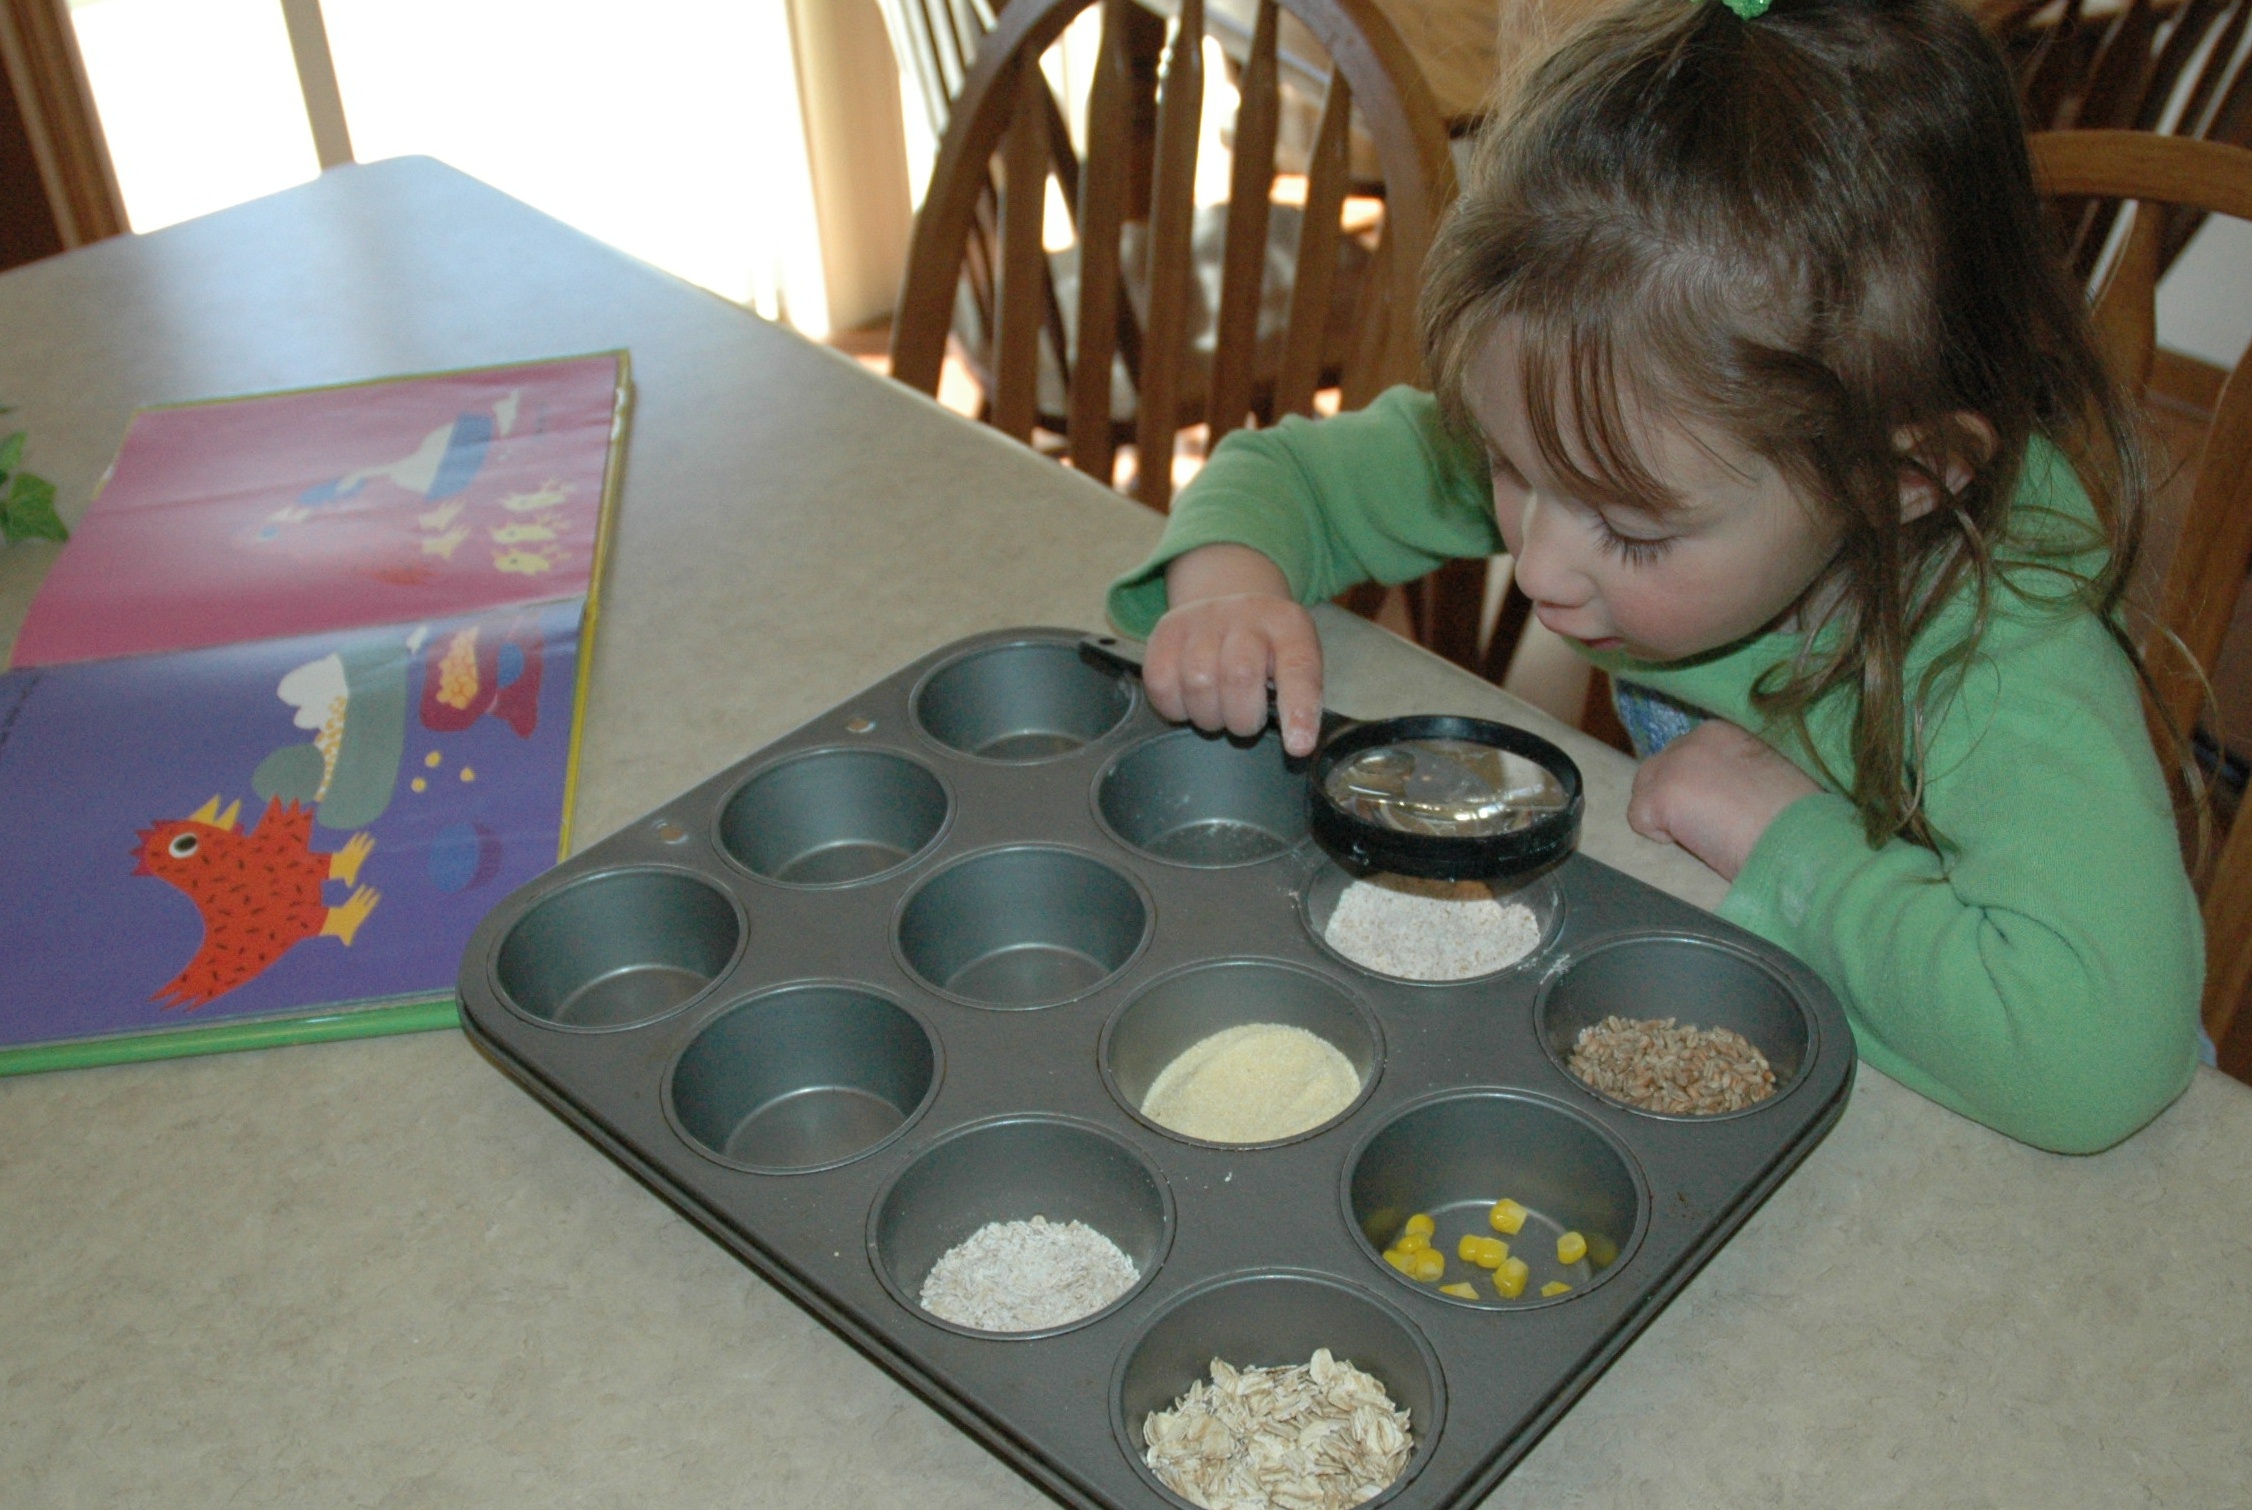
(1942,457)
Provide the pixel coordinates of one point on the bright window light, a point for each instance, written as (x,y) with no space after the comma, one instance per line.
(668,128)
(199,102)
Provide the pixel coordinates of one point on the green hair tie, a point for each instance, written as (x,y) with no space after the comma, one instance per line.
(1749,10)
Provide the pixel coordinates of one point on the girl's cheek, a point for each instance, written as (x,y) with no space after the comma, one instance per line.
(1509,515)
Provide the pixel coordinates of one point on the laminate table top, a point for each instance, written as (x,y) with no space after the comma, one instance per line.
(377,1273)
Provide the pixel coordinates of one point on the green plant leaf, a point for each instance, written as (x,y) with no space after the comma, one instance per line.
(29,513)
(11,453)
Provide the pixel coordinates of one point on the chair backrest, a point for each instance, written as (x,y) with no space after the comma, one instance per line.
(1006,133)
(937,40)
(2177,66)
(2207,572)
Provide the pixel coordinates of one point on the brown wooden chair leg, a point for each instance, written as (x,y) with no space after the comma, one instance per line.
(1599,716)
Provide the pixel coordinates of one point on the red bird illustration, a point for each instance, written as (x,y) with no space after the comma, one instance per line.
(259,892)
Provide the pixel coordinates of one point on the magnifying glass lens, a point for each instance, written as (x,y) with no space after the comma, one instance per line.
(1445,788)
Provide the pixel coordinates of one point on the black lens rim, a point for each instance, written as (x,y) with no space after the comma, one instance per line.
(1360,844)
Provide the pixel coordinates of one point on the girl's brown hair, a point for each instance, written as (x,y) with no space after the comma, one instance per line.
(1818,231)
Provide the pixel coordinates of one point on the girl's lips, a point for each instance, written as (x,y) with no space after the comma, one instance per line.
(1554,621)
(1551,622)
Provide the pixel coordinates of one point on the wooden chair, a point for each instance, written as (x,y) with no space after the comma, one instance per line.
(1005,140)
(2207,572)
(937,41)
(2149,65)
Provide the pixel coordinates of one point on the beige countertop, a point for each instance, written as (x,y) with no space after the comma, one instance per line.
(376,1273)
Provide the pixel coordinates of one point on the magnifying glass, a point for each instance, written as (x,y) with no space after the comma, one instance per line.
(1435,795)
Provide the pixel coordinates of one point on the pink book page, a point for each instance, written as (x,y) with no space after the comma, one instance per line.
(336,508)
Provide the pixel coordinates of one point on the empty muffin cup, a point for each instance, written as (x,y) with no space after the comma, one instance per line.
(833,817)
(1208,800)
(1032,700)
(618,949)
(1023,927)
(1440,946)
(1011,1170)
(1696,982)
(1174,1014)
(1454,1157)
(1266,1320)
(801,1078)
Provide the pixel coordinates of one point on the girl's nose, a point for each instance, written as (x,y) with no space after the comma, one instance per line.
(1547,568)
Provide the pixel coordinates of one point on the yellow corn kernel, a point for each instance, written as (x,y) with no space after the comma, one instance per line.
(1412,1242)
(1554,1288)
(1429,1265)
(1492,1253)
(1404,1262)
(1509,1279)
(1467,1249)
(1460,1290)
(1507,1216)
(1421,1225)
(1571,1248)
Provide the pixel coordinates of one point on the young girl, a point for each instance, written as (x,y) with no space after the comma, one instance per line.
(1748,350)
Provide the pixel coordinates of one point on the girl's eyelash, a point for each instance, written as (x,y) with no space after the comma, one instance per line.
(1630,550)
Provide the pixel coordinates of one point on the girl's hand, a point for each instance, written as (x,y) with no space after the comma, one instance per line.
(1713,791)
(1233,628)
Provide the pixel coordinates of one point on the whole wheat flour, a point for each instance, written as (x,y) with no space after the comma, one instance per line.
(1415,929)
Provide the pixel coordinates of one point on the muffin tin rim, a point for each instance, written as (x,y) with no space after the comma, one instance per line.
(1532,959)
(509,919)
(1110,831)
(1142,1282)
(1352,997)
(1564,962)
(679,1051)
(714,828)
(1639,1177)
(922,883)
(998,641)
(1427,1438)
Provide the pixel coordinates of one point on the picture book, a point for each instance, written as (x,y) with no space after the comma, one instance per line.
(296,706)
(260,842)
(338,508)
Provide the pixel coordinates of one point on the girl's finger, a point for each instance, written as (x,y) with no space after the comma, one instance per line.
(1200,680)
(1243,682)
(1298,691)
(1161,675)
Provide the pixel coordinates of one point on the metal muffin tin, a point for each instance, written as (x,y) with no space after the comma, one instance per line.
(908,970)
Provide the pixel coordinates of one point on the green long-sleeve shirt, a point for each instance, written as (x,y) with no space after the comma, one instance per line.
(2043,978)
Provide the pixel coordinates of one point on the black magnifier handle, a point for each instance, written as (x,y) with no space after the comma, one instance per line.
(1113,652)
(1124,655)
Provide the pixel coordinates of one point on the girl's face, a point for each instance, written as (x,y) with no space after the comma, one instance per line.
(1740,549)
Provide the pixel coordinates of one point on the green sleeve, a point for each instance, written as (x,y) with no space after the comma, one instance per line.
(2044,978)
(1382,494)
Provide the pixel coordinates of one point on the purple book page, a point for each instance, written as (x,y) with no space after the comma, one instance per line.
(266,829)
(298,513)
